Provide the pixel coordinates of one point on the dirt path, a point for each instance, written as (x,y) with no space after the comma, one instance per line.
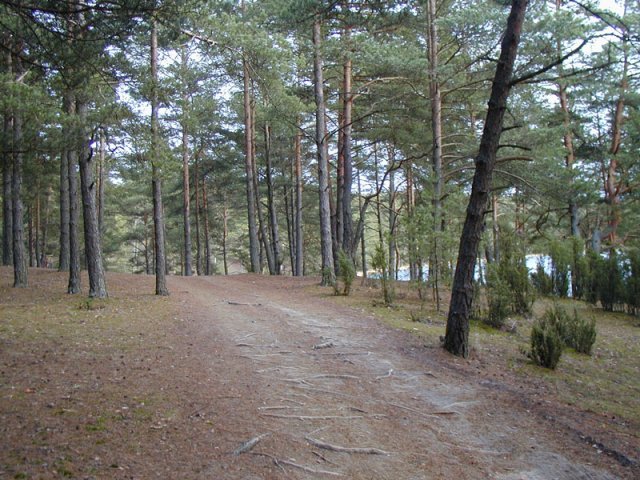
(307,375)
(142,387)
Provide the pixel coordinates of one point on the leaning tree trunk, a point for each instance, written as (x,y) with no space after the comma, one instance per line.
(326,246)
(457,333)
(156,179)
(92,245)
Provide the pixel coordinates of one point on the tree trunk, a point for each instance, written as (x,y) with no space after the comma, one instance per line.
(287,196)
(156,180)
(101,176)
(30,235)
(361,221)
(393,274)
(262,224)
(436,130)
(273,216)
(186,194)
(207,242)
(44,260)
(613,188)
(37,223)
(7,172)
(254,246)
(348,243)
(92,245)
(196,183)
(457,333)
(20,275)
(73,286)
(298,233)
(63,254)
(326,246)
(7,200)
(411,234)
(225,235)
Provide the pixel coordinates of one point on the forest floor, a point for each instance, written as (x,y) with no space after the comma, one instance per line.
(255,377)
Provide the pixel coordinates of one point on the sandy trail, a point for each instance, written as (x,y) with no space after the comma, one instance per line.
(331,393)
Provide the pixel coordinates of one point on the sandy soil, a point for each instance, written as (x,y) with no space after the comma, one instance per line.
(322,390)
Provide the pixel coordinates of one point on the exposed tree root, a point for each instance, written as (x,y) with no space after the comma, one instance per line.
(321,417)
(426,414)
(279,463)
(336,448)
(249,444)
(389,373)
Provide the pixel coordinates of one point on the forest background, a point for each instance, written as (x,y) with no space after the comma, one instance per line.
(285,136)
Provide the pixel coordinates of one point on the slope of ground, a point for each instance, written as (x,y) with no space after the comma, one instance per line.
(142,387)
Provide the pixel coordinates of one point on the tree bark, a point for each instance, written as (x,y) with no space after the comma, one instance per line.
(225,235)
(20,275)
(457,332)
(254,246)
(92,244)
(73,286)
(196,183)
(37,224)
(361,221)
(30,235)
(102,175)
(393,274)
(63,254)
(411,234)
(326,246)
(156,180)
(298,235)
(207,242)
(273,215)
(613,188)
(44,261)
(7,200)
(7,171)
(186,194)
(348,243)
(436,131)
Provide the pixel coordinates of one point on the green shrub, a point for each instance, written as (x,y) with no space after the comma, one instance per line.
(346,273)
(546,344)
(583,334)
(499,298)
(379,262)
(560,262)
(574,332)
(541,280)
(558,318)
(509,290)
(610,284)
(632,283)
